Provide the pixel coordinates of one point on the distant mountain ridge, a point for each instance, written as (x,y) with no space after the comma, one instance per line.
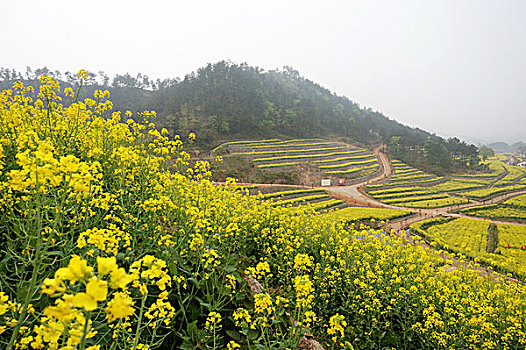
(504,147)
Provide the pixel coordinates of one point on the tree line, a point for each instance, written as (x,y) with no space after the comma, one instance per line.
(227,101)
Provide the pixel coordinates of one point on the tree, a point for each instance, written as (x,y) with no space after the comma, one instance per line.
(104,78)
(486,152)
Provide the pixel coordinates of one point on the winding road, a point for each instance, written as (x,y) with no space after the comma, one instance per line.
(355,194)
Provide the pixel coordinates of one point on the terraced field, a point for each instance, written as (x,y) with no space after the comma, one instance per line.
(328,158)
(312,198)
(412,188)
(500,180)
(513,209)
(487,193)
(354,214)
(498,246)
(317,200)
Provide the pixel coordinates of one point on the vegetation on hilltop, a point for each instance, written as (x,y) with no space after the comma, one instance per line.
(227,101)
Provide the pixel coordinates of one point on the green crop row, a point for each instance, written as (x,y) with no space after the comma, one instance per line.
(332,166)
(411,177)
(226,144)
(325,204)
(300,199)
(414,199)
(393,195)
(353,214)
(370,171)
(403,183)
(433,203)
(319,155)
(353,170)
(277,165)
(345,158)
(287,151)
(247,187)
(489,192)
(277,142)
(408,171)
(394,190)
(291,145)
(290,193)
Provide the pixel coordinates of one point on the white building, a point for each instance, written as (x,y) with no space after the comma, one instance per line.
(523,164)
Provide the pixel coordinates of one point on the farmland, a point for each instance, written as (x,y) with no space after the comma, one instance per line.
(412,188)
(513,209)
(111,239)
(356,214)
(316,155)
(499,247)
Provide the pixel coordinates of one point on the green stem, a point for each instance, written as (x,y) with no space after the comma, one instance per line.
(214,337)
(114,343)
(82,344)
(137,331)
(30,291)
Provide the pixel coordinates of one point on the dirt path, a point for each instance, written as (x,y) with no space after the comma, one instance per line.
(498,222)
(355,194)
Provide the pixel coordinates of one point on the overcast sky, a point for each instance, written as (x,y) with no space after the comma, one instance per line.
(451,67)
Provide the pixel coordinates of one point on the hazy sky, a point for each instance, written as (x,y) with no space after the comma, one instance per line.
(451,67)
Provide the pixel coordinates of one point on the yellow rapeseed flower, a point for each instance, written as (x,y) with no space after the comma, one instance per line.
(96,290)
(119,307)
(77,269)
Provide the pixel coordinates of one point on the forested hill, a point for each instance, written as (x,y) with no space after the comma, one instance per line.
(226,101)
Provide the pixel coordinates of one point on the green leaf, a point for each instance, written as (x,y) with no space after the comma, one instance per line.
(252,334)
(234,335)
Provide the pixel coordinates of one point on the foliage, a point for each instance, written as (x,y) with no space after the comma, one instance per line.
(434,154)
(485,152)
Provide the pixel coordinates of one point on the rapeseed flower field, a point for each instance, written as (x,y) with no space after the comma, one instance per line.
(110,240)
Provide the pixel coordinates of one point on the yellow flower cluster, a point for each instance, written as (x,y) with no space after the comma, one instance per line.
(261,270)
(66,318)
(107,240)
(213,321)
(263,309)
(42,171)
(337,325)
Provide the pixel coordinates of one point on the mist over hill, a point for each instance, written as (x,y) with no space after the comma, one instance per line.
(227,101)
(504,147)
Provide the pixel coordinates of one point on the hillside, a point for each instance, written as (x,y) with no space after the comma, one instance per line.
(226,101)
